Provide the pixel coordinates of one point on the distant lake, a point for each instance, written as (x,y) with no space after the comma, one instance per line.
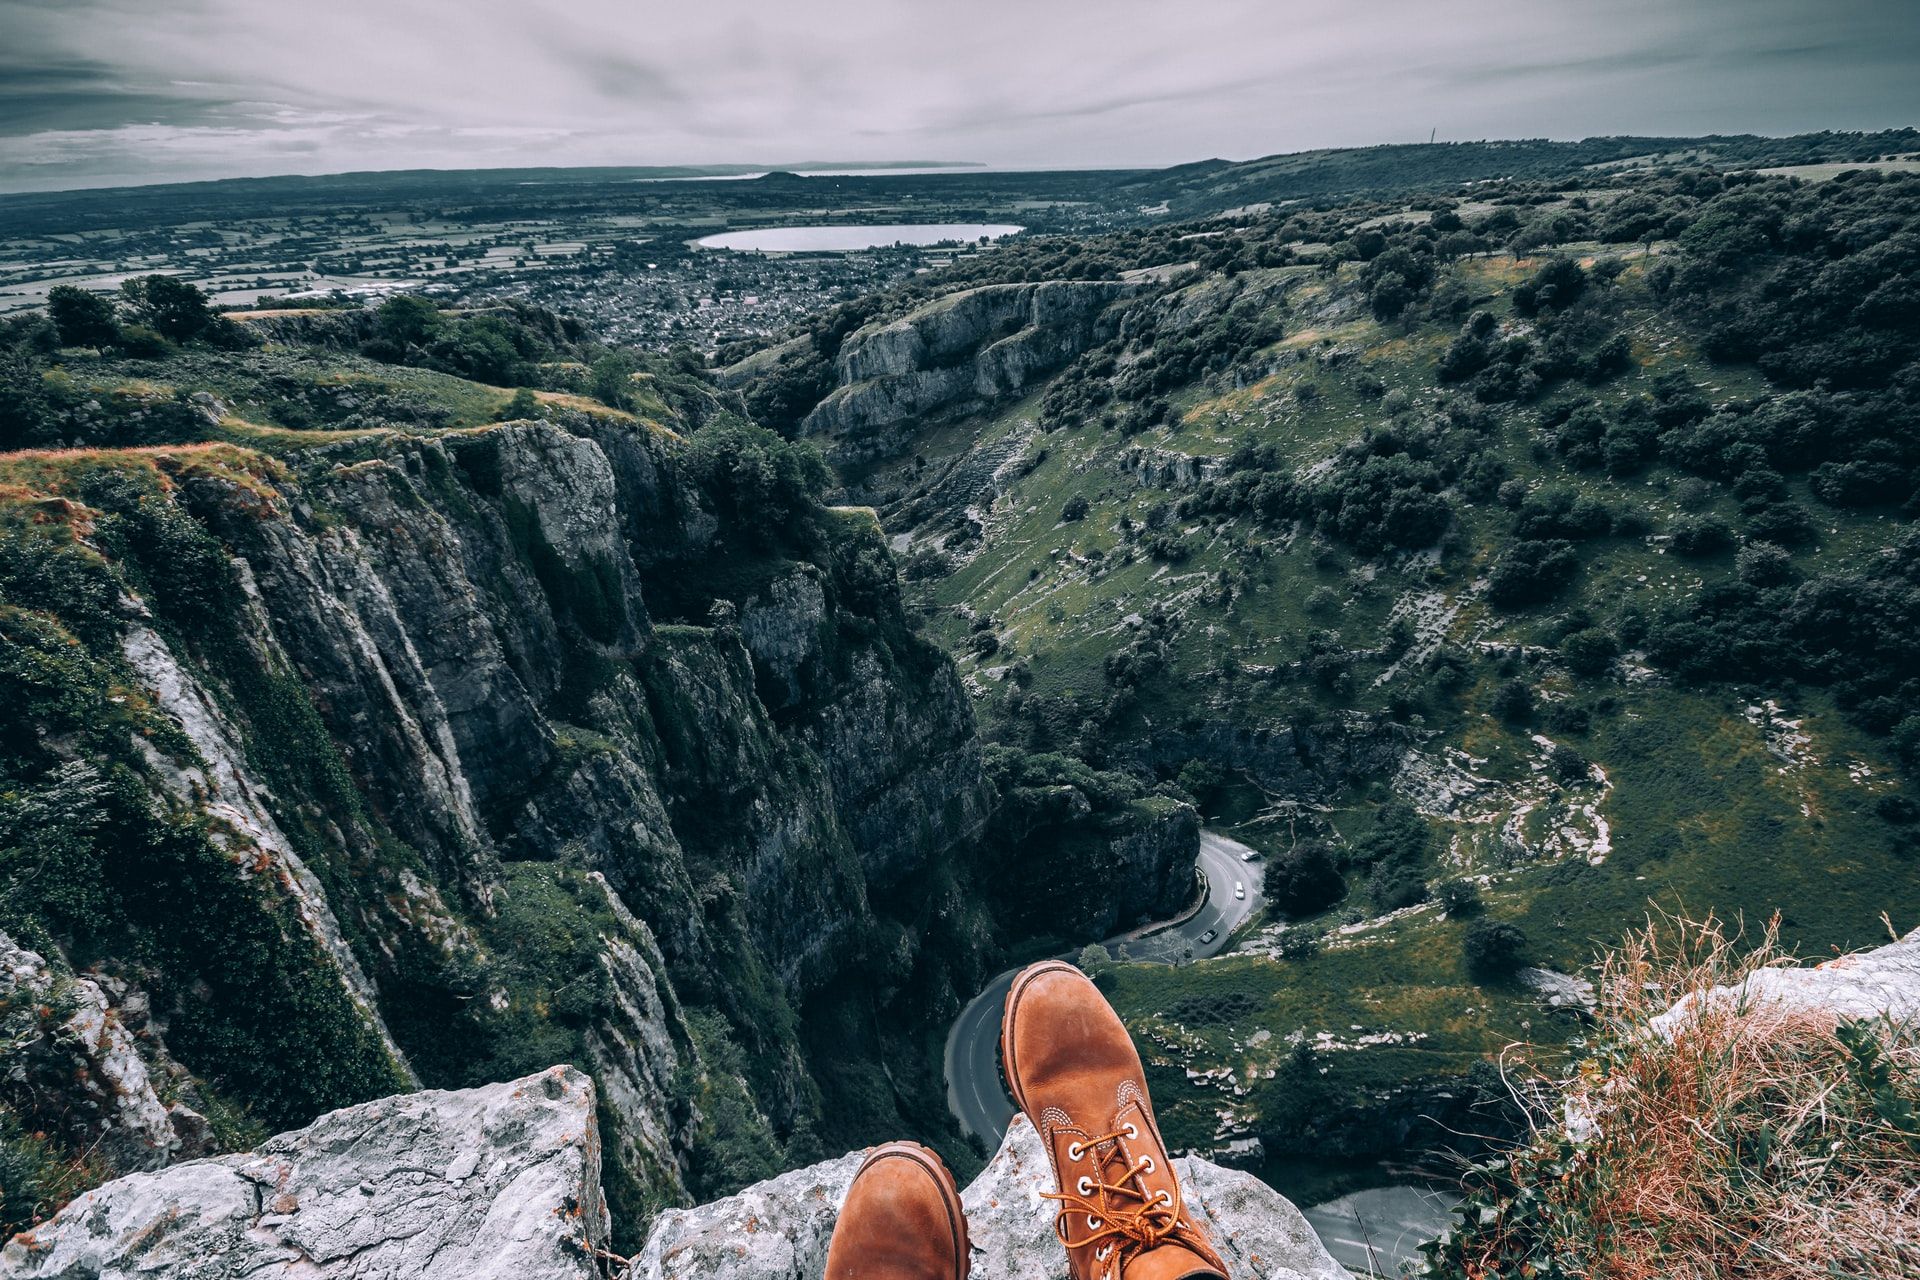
(846,239)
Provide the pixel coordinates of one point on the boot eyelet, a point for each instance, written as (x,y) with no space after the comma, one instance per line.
(1146,1164)
(1093,1223)
(1104,1252)
(1084,1186)
(1166,1197)
(1131,1132)
(1075,1151)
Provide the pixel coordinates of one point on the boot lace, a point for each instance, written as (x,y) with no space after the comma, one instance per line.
(1122,1215)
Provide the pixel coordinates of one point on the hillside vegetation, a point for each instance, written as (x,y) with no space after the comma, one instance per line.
(1504,564)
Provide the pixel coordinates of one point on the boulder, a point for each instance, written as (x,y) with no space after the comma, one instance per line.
(779,1229)
(500,1181)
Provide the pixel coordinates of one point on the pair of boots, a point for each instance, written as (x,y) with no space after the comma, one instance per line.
(1074,1071)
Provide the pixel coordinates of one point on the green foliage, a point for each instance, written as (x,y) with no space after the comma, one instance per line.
(82,317)
(1494,949)
(765,489)
(1305,879)
(1513,701)
(174,308)
(37,1175)
(1532,572)
(734,1145)
(522,404)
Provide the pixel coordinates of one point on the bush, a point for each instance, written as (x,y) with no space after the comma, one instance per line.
(1392,887)
(1702,536)
(1494,949)
(1588,652)
(1513,701)
(1305,879)
(1532,572)
(1459,898)
(1567,764)
(1076,509)
(1763,564)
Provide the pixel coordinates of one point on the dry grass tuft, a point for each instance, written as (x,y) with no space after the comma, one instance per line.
(1746,1139)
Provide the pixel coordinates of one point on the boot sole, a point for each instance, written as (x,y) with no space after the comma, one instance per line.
(930,1160)
(1025,976)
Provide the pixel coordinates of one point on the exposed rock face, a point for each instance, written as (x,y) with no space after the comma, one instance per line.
(779,1230)
(969,348)
(451,669)
(1865,984)
(64,1040)
(1169,468)
(501,1181)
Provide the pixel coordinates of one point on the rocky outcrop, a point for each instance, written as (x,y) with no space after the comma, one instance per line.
(1883,982)
(1168,468)
(779,1230)
(967,349)
(501,1181)
(64,1042)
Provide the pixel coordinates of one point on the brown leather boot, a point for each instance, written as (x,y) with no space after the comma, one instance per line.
(1074,1072)
(902,1220)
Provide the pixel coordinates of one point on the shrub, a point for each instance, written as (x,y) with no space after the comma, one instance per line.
(1763,564)
(1076,509)
(83,319)
(1494,949)
(1588,652)
(1459,898)
(1567,764)
(1392,887)
(1531,572)
(1513,701)
(1702,536)
(1304,879)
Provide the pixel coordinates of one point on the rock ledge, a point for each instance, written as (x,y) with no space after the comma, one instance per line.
(496,1183)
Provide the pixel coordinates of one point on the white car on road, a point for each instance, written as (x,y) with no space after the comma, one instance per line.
(1239,889)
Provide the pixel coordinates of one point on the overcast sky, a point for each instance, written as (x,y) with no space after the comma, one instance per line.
(108,91)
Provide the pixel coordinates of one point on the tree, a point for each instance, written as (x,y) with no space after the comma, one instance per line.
(1304,879)
(175,308)
(1094,960)
(1459,898)
(1531,571)
(523,404)
(406,320)
(1494,949)
(612,379)
(26,417)
(83,319)
(1076,509)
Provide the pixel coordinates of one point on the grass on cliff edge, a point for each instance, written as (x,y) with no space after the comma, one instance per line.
(1751,1139)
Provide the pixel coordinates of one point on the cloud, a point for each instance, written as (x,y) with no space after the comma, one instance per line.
(112,90)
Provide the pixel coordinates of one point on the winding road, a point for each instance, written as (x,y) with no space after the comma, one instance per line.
(974,1092)
(1381,1228)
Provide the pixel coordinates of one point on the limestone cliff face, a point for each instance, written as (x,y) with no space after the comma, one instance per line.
(964,350)
(514,738)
